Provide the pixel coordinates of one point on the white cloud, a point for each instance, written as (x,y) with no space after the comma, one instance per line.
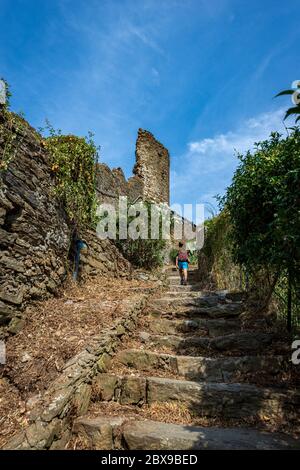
(145,38)
(240,140)
(206,168)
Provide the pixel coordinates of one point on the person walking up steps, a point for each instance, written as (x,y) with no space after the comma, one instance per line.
(182,263)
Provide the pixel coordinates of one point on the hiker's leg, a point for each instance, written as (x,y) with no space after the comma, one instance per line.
(181,275)
(185,275)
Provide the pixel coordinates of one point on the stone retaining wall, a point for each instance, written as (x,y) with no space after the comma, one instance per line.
(69,395)
(34,235)
(102,258)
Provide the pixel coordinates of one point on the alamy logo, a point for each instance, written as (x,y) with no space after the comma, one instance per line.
(296,94)
(154,221)
(2,92)
(296,353)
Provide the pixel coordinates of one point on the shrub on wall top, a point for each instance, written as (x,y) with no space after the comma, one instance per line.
(73,162)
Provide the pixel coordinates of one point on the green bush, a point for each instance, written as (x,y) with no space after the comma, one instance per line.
(73,162)
(216,262)
(264,206)
(142,253)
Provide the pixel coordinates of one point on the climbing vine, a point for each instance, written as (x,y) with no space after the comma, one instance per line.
(215,258)
(73,161)
(12,131)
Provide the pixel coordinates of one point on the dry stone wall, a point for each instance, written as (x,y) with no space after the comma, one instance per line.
(102,258)
(49,422)
(34,235)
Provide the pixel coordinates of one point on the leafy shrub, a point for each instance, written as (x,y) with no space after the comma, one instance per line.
(216,262)
(173,254)
(264,206)
(142,253)
(73,162)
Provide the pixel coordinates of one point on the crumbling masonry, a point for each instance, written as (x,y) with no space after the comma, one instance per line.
(34,235)
(150,180)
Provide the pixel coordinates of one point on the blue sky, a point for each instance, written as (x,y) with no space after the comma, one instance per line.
(199,74)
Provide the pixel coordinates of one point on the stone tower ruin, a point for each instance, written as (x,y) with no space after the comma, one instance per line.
(150,180)
(152,167)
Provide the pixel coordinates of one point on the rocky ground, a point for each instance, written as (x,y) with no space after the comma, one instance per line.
(195,375)
(56,330)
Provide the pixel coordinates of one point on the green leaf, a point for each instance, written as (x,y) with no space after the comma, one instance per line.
(285,92)
(290,111)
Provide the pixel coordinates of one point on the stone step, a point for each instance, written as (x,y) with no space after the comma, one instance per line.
(205,326)
(194,300)
(191,277)
(176,282)
(201,368)
(182,289)
(221,400)
(98,433)
(190,310)
(179,293)
(243,342)
(175,272)
(153,435)
(195,291)
(176,275)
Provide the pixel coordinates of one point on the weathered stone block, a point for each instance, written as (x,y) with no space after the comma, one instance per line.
(104,386)
(103,362)
(133,390)
(40,435)
(82,398)
(97,432)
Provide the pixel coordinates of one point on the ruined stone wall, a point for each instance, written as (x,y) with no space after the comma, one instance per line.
(102,258)
(34,235)
(112,183)
(152,167)
(151,174)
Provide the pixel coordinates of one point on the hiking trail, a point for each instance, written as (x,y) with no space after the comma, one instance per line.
(192,377)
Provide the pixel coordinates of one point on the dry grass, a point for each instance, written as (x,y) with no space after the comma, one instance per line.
(12,411)
(121,369)
(54,332)
(59,328)
(180,413)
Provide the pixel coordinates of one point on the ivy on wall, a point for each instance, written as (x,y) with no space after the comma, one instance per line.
(13,128)
(215,258)
(73,161)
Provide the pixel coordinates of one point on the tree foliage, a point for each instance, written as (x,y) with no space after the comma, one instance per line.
(73,162)
(216,260)
(264,206)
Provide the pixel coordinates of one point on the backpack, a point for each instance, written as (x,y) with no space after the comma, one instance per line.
(183,255)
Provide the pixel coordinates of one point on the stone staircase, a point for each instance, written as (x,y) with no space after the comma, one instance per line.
(191,358)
